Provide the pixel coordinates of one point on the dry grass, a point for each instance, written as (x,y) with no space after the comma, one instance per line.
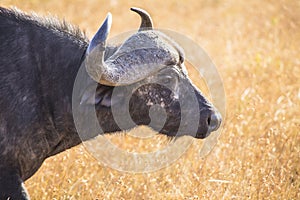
(256,46)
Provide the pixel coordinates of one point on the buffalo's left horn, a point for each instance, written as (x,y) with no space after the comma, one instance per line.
(140,56)
(100,37)
(95,65)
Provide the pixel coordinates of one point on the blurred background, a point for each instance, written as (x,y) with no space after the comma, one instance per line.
(256,47)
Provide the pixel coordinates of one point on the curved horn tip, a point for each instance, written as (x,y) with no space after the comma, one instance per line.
(102,33)
(136,9)
(106,24)
(146,23)
(108,20)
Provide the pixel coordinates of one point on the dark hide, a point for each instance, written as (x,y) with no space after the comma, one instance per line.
(40,58)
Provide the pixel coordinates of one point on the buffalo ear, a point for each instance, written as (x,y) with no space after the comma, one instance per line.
(102,96)
(106,99)
(92,97)
(89,97)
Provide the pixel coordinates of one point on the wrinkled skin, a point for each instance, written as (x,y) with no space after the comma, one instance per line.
(175,105)
(160,90)
(38,68)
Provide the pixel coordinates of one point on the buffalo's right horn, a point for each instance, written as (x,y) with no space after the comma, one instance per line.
(146,23)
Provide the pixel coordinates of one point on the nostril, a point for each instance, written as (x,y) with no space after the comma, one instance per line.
(208,121)
(214,121)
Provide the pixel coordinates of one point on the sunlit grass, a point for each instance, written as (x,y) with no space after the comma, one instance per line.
(256,48)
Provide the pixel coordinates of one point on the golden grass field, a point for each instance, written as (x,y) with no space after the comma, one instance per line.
(256,47)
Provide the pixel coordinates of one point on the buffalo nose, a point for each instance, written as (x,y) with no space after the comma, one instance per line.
(214,121)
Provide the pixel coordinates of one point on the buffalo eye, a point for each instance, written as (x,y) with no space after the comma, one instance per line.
(167,80)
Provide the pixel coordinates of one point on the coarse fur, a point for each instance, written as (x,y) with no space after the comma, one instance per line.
(34,118)
(48,22)
(40,58)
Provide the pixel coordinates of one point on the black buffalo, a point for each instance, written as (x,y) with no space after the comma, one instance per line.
(40,58)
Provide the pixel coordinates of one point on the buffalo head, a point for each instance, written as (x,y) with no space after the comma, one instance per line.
(149,68)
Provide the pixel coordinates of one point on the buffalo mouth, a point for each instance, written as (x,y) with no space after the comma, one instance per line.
(210,121)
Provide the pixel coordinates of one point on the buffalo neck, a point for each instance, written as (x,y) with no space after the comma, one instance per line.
(58,57)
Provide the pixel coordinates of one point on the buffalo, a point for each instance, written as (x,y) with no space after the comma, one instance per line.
(40,59)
